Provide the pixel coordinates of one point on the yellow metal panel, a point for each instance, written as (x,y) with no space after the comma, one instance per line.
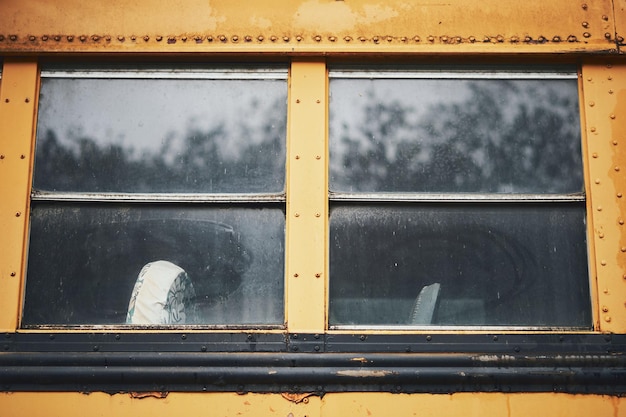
(620,23)
(605,111)
(17,109)
(174,404)
(471,405)
(331,405)
(308,26)
(307,198)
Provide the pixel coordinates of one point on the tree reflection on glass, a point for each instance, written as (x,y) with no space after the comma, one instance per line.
(426,135)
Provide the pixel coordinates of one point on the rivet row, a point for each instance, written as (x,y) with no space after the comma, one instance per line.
(223,38)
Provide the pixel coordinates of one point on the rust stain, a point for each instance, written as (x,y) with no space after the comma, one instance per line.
(298,398)
(152,394)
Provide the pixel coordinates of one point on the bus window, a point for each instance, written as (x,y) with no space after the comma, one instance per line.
(464,189)
(158,198)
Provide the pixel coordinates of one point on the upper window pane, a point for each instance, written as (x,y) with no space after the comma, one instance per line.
(151,131)
(472,132)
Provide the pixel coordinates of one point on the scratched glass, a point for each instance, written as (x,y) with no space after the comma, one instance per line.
(459,265)
(84,261)
(161,135)
(455,135)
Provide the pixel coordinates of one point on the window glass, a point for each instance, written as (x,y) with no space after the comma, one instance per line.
(425,134)
(84,262)
(158,199)
(457,199)
(161,134)
(519,265)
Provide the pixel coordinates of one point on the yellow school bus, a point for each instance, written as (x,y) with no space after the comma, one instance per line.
(313,208)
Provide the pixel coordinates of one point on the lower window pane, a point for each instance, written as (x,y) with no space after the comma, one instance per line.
(213,266)
(459,265)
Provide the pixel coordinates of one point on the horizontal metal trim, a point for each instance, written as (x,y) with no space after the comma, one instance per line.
(158,197)
(316,374)
(455,197)
(178,74)
(434,328)
(453,74)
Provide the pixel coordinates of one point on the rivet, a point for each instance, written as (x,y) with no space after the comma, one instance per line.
(612,116)
(26,100)
(599,208)
(592,103)
(297,214)
(317,275)
(297,156)
(273,38)
(589,78)
(621,222)
(198,39)
(597,181)
(607,35)
(541,39)
(527,39)
(603,262)
(318,157)
(317,215)
(404,39)
(18,214)
(133,38)
(585,24)
(607,319)
(32,38)
(22,156)
(514,39)
(601,235)
(605,309)
(95,38)
(616,169)
(159,38)
(472,39)
(209,38)
(389,39)
(572,38)
(623,248)
(376,39)
(299,38)
(417,39)
(347,39)
(459,39)
(146,38)
(44,38)
(317,38)
(614,143)
(6,100)
(444,39)
(171,40)
(332,38)
(13,37)
(260,38)
(431,39)
(120,38)
(593,129)
(318,101)
(429,338)
(486,39)
(605,18)
(296,275)
(587,35)
(297,100)
(1,156)
(286,38)
(1,38)
(222,38)
(620,39)
(235,38)
(584,6)
(184,39)
(610,91)
(556,39)
(13,274)
(362,38)
(57,38)
(609,78)
(606,291)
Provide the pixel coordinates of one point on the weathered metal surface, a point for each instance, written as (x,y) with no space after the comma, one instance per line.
(604,90)
(309,26)
(17,111)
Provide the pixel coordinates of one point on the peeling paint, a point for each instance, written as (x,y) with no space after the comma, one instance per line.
(364,373)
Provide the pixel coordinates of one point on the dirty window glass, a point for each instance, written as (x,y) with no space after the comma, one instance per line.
(158,199)
(492,135)
(161,134)
(457,199)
